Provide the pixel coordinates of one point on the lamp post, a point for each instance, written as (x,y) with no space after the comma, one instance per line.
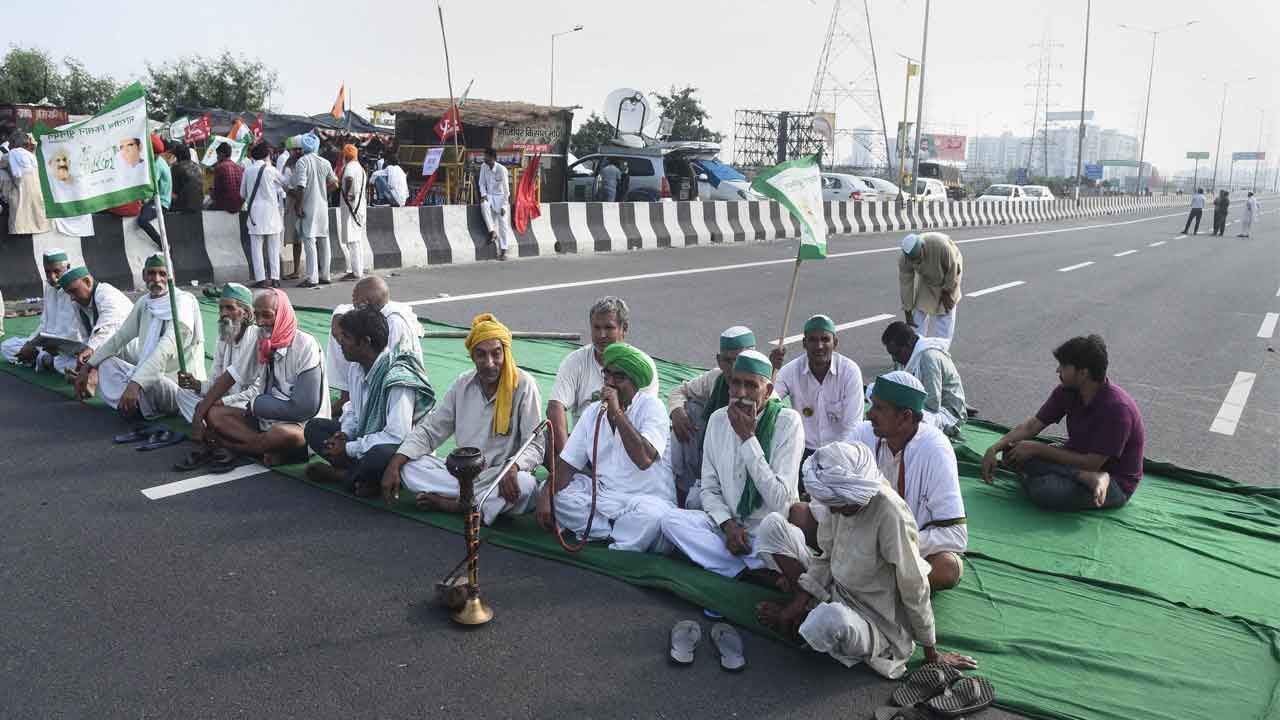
(1222,114)
(575,29)
(1146,115)
(1262,114)
(1084,79)
(924,52)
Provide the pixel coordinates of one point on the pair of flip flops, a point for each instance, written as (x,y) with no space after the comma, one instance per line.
(150,437)
(219,460)
(687,634)
(937,690)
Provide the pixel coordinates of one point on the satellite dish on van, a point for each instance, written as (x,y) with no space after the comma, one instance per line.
(627,110)
(635,142)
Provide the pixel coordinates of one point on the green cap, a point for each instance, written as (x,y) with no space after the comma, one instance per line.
(54,255)
(237,292)
(820,322)
(71,276)
(754,362)
(631,361)
(737,338)
(900,389)
(155,260)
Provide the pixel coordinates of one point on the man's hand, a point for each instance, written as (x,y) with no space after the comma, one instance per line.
(777,357)
(735,537)
(1022,451)
(336,446)
(609,396)
(543,510)
(509,486)
(948,303)
(989,463)
(955,660)
(681,425)
(187,381)
(743,420)
(27,355)
(129,400)
(87,383)
(83,356)
(391,480)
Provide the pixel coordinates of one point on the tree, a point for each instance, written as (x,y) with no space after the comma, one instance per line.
(84,93)
(227,82)
(687,115)
(590,135)
(28,76)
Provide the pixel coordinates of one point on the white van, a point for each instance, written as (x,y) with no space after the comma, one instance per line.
(930,189)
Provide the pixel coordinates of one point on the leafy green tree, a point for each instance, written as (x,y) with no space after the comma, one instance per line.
(29,75)
(84,93)
(687,114)
(226,81)
(590,135)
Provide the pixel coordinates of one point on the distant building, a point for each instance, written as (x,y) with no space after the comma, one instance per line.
(997,155)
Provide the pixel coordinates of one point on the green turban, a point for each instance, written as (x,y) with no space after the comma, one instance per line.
(237,292)
(71,276)
(631,361)
(155,261)
(819,323)
(737,338)
(54,255)
(754,362)
(900,389)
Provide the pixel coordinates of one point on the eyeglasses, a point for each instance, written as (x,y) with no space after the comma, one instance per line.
(617,376)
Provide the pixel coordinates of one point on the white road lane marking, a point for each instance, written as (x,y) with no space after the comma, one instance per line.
(1233,406)
(1157,243)
(1278,293)
(1126,252)
(996,288)
(1268,327)
(1179,237)
(740,266)
(196,483)
(792,339)
(1077,266)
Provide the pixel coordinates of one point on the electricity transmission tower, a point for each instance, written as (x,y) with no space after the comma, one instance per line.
(1043,84)
(847,71)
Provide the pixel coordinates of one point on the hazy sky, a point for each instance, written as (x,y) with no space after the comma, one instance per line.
(742,54)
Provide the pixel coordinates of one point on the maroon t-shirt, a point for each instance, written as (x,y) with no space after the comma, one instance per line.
(1110,425)
(226,186)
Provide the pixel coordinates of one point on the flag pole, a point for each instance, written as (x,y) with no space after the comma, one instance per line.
(791,300)
(448,75)
(173,291)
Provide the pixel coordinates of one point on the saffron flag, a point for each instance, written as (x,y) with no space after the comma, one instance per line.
(239,131)
(449,125)
(337,111)
(527,207)
(797,186)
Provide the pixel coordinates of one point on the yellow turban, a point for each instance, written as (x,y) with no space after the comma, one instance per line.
(486,327)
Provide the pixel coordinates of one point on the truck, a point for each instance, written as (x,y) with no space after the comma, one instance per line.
(948,175)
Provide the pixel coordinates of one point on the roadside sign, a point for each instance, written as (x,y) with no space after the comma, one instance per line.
(1093,172)
(1197,156)
(1248,156)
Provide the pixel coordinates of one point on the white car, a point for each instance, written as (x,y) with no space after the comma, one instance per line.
(1002,191)
(930,190)
(1037,192)
(838,187)
(887,190)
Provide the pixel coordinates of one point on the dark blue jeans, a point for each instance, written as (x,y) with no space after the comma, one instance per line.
(1054,487)
(368,468)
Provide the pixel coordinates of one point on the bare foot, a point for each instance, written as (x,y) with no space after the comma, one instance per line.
(271,459)
(321,473)
(436,502)
(767,613)
(1101,482)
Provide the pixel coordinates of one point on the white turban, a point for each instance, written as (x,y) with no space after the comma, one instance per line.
(910,243)
(842,473)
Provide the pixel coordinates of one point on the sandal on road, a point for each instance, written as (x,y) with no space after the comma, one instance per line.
(194,460)
(137,434)
(729,644)
(927,681)
(162,439)
(966,695)
(222,460)
(901,713)
(685,637)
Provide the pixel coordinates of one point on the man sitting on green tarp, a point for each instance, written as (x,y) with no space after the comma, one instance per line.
(389,395)
(865,599)
(691,404)
(59,337)
(1101,463)
(929,360)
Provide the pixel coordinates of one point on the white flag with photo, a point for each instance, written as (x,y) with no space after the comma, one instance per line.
(797,185)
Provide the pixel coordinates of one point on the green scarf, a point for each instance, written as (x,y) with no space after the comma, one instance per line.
(719,398)
(394,371)
(751,500)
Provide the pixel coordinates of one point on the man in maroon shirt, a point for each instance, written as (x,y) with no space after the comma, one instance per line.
(226,182)
(1101,463)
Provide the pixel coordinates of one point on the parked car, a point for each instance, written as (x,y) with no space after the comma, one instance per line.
(930,189)
(717,181)
(1037,192)
(661,171)
(1002,191)
(838,187)
(886,189)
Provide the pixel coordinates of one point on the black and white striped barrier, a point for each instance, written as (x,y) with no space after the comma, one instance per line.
(213,246)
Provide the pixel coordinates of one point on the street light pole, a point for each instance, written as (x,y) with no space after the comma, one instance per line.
(1222,114)
(1084,79)
(552,99)
(1262,114)
(924,53)
(1151,73)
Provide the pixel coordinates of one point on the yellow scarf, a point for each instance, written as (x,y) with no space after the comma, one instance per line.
(486,327)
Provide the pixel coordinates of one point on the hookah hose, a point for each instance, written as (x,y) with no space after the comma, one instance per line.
(595,451)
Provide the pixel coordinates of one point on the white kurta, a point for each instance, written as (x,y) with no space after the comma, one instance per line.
(239,359)
(932,486)
(157,355)
(103,316)
(352,227)
(264,217)
(630,502)
(495,194)
(580,376)
(59,322)
(1251,210)
(831,408)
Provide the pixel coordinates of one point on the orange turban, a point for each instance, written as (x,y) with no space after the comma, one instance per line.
(349,153)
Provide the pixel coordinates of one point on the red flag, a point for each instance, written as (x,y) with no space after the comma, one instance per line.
(256,129)
(449,125)
(337,110)
(197,130)
(527,207)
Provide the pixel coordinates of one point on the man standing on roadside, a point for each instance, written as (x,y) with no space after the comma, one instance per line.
(312,179)
(495,194)
(1220,206)
(1197,209)
(929,273)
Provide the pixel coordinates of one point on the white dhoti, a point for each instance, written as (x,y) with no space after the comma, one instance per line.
(634,522)
(497,219)
(428,474)
(839,631)
(939,326)
(114,377)
(60,361)
(695,534)
(186,400)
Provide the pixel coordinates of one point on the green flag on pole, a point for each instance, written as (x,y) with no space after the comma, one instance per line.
(99,163)
(797,186)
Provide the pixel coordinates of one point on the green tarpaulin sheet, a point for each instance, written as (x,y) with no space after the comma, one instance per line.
(1166,608)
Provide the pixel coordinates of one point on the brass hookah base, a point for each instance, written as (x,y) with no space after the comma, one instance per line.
(461,594)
